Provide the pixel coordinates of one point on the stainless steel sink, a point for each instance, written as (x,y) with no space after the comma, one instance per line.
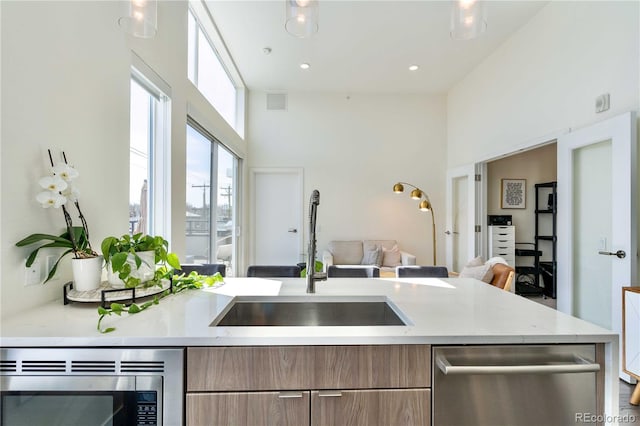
(313,311)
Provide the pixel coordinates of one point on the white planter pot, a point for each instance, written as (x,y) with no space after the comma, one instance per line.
(87,273)
(145,272)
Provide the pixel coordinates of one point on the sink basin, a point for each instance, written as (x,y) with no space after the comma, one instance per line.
(315,311)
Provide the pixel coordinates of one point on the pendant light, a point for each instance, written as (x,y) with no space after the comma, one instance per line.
(302,18)
(468,19)
(140,18)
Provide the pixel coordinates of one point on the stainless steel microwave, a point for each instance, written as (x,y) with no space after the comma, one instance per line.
(85,387)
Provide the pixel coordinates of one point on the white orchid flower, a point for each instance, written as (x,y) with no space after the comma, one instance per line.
(72,193)
(51,199)
(53,183)
(66,172)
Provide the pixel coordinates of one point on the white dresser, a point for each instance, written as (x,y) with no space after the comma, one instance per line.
(502,242)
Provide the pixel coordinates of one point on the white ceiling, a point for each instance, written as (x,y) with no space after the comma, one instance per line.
(363,46)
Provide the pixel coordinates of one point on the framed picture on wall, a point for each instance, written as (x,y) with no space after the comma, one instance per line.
(513,194)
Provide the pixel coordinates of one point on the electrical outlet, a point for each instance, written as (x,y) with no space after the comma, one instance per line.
(33,274)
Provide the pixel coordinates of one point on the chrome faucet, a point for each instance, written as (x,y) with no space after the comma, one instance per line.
(312,275)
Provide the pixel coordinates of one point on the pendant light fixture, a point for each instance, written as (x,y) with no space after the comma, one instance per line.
(468,19)
(140,18)
(302,18)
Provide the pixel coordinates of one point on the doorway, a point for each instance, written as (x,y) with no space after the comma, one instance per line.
(276,215)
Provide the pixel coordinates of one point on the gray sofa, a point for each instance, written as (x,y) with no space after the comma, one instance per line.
(362,252)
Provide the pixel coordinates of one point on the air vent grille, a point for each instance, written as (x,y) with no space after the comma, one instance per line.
(276,101)
(142,366)
(46,366)
(93,366)
(10,366)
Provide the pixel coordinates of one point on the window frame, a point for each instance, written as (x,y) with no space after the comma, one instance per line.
(198,11)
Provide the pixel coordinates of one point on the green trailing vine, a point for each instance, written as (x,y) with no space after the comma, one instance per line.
(182,282)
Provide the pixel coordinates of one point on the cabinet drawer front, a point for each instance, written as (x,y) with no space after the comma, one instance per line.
(247,409)
(248,368)
(502,230)
(365,367)
(307,367)
(371,408)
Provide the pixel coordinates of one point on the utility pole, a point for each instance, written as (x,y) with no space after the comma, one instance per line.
(204,187)
(227,193)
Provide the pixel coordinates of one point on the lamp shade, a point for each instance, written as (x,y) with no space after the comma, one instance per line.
(416,194)
(425,205)
(302,18)
(398,188)
(468,19)
(140,18)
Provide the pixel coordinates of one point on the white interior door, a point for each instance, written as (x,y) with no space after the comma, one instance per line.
(460,219)
(276,215)
(597,215)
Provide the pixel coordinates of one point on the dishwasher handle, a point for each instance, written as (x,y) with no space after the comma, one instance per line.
(580,365)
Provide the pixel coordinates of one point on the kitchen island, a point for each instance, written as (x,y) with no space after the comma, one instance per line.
(454,311)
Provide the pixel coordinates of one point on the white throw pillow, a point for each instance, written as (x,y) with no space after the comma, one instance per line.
(372,256)
(391,257)
(476,261)
(482,272)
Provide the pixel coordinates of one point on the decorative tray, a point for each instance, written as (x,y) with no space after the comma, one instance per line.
(106,293)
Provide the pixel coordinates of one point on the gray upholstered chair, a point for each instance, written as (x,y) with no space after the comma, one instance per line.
(334,271)
(273,271)
(422,271)
(205,268)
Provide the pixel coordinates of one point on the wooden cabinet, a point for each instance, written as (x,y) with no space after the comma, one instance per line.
(248,408)
(371,385)
(406,407)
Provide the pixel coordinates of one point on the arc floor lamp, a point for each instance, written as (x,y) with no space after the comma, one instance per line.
(425,205)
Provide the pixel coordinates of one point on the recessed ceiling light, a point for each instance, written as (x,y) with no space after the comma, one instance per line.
(413,68)
(305,66)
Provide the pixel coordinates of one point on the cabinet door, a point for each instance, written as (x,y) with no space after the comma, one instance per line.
(248,409)
(407,407)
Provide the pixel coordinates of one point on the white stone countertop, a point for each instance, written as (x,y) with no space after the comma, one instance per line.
(440,311)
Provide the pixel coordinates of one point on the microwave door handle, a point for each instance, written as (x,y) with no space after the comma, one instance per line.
(580,365)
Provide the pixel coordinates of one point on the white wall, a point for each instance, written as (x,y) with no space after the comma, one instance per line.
(65,86)
(353,149)
(545,78)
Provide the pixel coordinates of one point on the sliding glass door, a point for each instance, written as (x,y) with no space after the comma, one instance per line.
(211,200)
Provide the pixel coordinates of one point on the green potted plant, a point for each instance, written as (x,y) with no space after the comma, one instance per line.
(132,260)
(58,189)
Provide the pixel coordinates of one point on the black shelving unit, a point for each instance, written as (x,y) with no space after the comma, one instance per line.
(546,236)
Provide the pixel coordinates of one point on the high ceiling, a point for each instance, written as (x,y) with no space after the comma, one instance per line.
(362,46)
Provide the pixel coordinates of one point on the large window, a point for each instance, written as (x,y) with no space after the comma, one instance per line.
(147,158)
(208,73)
(211,175)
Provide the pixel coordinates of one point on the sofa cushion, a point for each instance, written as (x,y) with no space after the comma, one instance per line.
(482,272)
(372,256)
(346,252)
(385,244)
(391,257)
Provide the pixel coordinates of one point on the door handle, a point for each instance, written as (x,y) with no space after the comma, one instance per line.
(327,394)
(293,394)
(449,232)
(579,365)
(292,230)
(620,254)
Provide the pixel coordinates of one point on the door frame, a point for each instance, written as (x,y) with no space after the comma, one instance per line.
(468,171)
(621,129)
(254,172)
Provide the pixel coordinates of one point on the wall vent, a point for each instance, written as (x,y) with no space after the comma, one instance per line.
(276,102)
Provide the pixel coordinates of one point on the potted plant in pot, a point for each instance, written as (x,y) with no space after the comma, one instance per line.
(58,189)
(132,260)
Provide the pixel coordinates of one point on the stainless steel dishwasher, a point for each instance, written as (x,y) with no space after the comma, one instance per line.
(516,385)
